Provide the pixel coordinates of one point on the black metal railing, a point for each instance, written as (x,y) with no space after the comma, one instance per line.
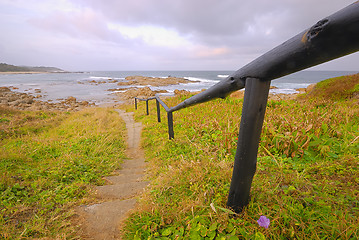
(167,109)
(141,99)
(328,39)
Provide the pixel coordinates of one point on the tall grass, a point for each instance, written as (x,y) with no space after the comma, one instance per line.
(48,164)
(338,88)
(306,181)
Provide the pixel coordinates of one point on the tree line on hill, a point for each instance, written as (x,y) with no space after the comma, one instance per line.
(11,68)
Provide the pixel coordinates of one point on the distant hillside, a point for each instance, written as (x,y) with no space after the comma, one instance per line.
(338,88)
(11,68)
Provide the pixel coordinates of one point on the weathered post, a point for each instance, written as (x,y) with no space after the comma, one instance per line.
(136,103)
(170,125)
(254,106)
(158,111)
(147,111)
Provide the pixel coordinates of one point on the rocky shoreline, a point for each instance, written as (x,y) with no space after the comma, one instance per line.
(129,93)
(24,101)
(126,94)
(153,81)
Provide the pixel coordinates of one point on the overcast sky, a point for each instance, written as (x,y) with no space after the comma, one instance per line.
(155,34)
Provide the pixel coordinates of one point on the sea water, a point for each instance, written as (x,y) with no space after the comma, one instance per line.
(82,85)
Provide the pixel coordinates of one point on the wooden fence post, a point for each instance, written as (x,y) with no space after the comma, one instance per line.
(147,111)
(158,111)
(170,125)
(254,105)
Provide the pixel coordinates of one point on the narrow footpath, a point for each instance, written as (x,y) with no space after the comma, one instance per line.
(102,221)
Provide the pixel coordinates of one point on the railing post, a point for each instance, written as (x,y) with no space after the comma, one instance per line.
(158,111)
(136,103)
(254,105)
(147,111)
(170,125)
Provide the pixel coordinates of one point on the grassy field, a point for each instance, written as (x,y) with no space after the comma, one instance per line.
(49,163)
(306,184)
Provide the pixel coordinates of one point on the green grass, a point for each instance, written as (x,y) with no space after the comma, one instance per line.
(338,88)
(49,163)
(306,183)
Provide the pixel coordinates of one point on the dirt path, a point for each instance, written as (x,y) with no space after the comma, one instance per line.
(102,221)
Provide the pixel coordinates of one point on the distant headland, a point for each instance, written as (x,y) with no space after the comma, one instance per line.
(12,69)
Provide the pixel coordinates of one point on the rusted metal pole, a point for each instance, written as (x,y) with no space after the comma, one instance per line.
(170,125)
(158,111)
(254,105)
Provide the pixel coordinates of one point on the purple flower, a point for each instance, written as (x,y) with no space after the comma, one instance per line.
(263,221)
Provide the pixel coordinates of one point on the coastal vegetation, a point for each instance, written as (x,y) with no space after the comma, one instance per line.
(49,163)
(305,187)
(11,68)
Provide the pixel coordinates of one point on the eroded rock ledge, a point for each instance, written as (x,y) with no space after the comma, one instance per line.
(24,101)
(153,81)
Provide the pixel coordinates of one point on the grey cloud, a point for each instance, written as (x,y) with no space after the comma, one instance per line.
(247,28)
(253,24)
(85,25)
(207,20)
(222,34)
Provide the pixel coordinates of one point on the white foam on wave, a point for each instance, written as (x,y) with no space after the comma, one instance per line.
(31,84)
(93,77)
(283,91)
(106,78)
(222,76)
(194,79)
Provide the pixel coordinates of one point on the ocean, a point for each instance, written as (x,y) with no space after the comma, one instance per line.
(58,86)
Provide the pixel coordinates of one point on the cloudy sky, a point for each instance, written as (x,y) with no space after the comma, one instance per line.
(155,34)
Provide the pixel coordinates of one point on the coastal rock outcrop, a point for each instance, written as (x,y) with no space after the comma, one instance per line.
(24,101)
(145,92)
(152,81)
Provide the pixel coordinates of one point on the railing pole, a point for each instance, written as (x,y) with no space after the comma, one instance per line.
(254,105)
(136,103)
(147,111)
(158,111)
(170,125)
